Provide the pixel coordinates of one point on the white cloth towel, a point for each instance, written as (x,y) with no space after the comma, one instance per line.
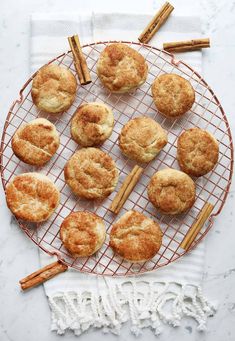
(79,301)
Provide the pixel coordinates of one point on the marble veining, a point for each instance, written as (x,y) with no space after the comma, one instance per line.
(26,316)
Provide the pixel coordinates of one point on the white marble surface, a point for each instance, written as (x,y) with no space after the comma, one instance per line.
(26,316)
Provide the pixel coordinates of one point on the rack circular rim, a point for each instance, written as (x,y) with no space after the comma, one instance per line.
(174,63)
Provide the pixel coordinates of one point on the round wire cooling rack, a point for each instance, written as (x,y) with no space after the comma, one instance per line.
(206,113)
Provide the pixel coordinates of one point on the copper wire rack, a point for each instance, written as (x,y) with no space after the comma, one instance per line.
(206,113)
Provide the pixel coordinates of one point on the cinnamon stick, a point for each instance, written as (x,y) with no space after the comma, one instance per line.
(42,275)
(79,60)
(126,188)
(157,21)
(197,226)
(187,45)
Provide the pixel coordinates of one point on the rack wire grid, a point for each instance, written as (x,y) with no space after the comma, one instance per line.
(206,113)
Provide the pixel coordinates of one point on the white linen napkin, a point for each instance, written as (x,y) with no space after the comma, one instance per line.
(79,301)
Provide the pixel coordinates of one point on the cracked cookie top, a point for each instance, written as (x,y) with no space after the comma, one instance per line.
(171,191)
(136,237)
(92,124)
(82,233)
(142,138)
(173,95)
(121,68)
(32,197)
(36,142)
(54,89)
(91,173)
(197,151)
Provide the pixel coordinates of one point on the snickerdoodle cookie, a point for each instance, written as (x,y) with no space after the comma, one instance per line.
(171,191)
(53,89)
(82,233)
(173,95)
(92,124)
(91,173)
(32,197)
(136,237)
(142,138)
(36,142)
(121,68)
(197,151)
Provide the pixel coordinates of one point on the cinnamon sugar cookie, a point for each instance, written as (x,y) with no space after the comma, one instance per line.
(54,89)
(36,142)
(136,237)
(32,197)
(197,151)
(171,191)
(121,68)
(173,95)
(82,233)
(91,173)
(92,124)
(142,138)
